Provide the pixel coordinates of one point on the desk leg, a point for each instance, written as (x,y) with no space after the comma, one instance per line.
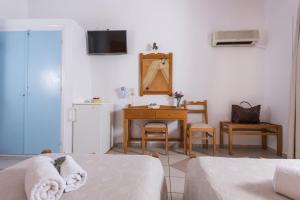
(180,128)
(125,135)
(221,135)
(279,141)
(229,140)
(129,133)
(184,135)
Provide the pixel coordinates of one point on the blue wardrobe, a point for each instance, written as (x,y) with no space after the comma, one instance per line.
(30,91)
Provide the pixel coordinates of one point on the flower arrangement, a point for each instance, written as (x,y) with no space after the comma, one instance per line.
(178,96)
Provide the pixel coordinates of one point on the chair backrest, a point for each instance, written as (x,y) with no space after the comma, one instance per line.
(203,111)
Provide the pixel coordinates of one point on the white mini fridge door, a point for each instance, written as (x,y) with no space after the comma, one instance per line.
(92,128)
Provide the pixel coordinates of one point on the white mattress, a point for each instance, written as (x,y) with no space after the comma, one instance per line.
(110,177)
(210,178)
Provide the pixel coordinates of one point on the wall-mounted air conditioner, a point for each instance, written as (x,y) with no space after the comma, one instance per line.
(235,38)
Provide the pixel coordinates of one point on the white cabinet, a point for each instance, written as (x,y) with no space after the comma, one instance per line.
(92,130)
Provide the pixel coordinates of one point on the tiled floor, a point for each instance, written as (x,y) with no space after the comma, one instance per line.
(175,163)
(7,161)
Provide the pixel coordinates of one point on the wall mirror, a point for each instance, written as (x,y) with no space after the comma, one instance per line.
(156,74)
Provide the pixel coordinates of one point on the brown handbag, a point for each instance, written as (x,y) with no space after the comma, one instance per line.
(242,115)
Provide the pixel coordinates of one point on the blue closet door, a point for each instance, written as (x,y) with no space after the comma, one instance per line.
(12,91)
(43,104)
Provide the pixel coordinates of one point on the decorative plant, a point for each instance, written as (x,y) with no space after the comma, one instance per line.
(178,96)
(58,162)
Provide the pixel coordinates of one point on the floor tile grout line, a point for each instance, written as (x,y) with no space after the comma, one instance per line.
(170,175)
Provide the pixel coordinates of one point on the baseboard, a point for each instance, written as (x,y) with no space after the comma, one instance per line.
(137,144)
(14,157)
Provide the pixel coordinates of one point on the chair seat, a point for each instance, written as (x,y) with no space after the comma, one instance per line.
(199,126)
(155,125)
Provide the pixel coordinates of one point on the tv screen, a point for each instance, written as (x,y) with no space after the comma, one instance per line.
(107,42)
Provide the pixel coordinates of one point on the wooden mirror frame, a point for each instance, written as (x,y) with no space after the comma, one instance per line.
(169,57)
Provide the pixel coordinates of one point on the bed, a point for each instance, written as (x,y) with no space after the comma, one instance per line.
(232,179)
(110,177)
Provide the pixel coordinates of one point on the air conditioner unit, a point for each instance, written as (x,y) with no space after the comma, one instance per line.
(235,38)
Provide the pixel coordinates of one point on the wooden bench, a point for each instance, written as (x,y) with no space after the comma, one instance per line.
(263,129)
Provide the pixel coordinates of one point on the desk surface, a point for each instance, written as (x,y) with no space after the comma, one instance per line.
(162,107)
(164,113)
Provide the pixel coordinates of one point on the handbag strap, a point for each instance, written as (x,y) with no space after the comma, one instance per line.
(246,102)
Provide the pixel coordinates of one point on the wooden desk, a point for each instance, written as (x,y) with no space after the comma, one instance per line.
(263,129)
(144,113)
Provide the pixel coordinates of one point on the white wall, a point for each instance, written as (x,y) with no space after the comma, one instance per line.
(280,16)
(13,9)
(221,75)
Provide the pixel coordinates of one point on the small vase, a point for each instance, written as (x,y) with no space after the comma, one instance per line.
(178,102)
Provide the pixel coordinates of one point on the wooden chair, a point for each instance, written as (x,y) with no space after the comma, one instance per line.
(155,131)
(201,127)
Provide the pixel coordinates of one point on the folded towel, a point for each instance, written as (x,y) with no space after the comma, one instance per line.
(42,180)
(73,174)
(286,181)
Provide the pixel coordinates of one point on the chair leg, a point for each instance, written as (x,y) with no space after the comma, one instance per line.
(206,142)
(146,146)
(167,145)
(214,143)
(143,141)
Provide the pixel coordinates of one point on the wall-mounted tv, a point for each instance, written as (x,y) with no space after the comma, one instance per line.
(107,42)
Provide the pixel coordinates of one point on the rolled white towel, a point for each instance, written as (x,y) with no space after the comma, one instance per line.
(73,174)
(42,180)
(286,181)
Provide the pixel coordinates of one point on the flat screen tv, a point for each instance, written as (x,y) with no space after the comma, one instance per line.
(107,42)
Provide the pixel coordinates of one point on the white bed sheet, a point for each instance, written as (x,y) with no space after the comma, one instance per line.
(110,177)
(210,178)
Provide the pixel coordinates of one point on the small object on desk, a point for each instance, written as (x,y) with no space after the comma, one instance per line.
(153,106)
(96,100)
(178,96)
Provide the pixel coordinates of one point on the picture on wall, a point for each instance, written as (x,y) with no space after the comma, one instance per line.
(156,74)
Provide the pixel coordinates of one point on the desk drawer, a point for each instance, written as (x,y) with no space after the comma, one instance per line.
(140,114)
(171,114)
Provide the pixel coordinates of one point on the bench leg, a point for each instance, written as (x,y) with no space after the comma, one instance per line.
(264,141)
(229,140)
(221,135)
(279,141)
